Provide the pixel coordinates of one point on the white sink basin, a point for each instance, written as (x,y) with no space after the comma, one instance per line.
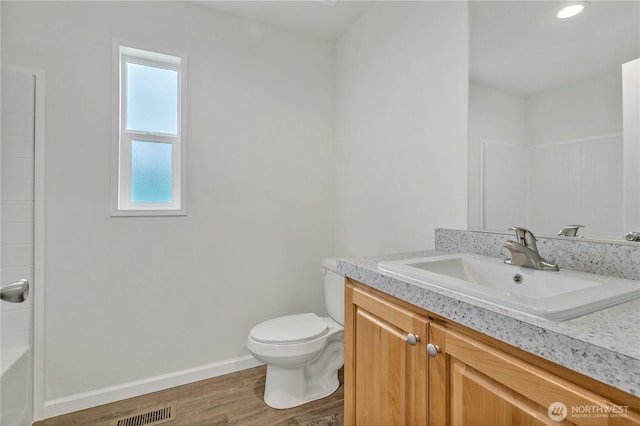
(547,294)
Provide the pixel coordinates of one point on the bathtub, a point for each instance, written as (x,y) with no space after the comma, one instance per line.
(15,387)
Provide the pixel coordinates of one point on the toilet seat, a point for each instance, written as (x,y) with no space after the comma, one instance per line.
(288,329)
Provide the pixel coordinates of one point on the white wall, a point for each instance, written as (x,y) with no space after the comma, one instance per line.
(576,157)
(401,126)
(133,299)
(581,109)
(573,160)
(503,180)
(577,183)
(498,117)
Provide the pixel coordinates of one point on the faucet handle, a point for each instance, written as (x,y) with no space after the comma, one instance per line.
(520,233)
(525,237)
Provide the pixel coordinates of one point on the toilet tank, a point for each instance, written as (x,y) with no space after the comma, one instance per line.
(333,290)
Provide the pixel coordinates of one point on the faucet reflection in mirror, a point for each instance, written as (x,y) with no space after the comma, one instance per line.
(524,252)
(570,231)
(633,236)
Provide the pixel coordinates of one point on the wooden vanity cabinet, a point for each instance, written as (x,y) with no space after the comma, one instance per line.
(387,385)
(468,379)
(473,383)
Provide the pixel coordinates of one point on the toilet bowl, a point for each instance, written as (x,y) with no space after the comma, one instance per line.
(303,352)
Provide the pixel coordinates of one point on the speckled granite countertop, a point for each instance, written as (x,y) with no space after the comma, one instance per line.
(604,345)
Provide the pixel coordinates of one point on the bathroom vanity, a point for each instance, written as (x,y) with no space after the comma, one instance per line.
(417,355)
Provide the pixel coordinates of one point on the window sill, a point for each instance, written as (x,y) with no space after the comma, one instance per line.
(148,213)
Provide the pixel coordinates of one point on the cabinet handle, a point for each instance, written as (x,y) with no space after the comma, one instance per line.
(433,350)
(412,339)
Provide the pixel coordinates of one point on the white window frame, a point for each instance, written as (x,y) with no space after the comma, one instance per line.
(123,139)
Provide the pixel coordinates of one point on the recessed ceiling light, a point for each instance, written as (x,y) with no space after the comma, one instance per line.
(571,10)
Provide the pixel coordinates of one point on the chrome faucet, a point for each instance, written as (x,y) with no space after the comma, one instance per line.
(524,252)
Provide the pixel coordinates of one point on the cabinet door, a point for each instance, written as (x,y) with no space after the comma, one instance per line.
(472,383)
(385,370)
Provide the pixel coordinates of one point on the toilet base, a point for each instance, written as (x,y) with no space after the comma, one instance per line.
(301,372)
(287,387)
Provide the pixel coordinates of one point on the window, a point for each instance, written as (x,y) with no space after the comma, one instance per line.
(149,159)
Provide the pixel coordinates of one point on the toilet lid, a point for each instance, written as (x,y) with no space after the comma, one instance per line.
(290,329)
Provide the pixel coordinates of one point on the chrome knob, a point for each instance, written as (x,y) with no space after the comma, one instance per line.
(433,350)
(412,339)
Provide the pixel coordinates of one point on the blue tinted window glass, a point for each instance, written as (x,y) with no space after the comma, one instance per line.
(152,99)
(150,172)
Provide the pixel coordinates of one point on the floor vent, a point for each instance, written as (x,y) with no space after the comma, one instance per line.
(150,417)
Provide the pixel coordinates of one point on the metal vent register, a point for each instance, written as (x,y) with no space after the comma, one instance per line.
(150,417)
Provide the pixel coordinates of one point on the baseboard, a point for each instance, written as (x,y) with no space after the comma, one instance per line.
(81,401)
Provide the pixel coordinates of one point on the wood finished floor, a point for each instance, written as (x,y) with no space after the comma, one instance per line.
(232,399)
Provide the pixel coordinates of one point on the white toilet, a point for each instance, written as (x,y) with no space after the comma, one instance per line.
(303,352)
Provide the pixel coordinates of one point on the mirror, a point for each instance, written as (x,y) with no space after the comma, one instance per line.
(546,145)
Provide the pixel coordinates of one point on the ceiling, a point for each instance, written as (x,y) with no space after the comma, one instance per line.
(324,19)
(522,48)
(516,46)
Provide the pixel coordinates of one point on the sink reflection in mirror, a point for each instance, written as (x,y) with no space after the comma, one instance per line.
(551,295)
